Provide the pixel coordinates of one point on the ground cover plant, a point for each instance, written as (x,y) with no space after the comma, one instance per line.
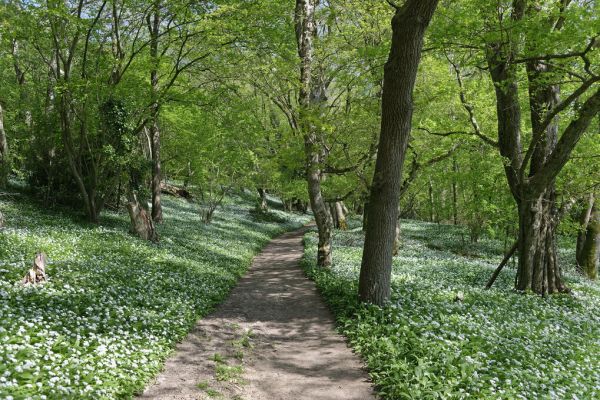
(114,305)
(444,337)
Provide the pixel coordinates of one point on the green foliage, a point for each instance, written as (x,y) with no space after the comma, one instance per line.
(114,305)
(493,344)
(228,373)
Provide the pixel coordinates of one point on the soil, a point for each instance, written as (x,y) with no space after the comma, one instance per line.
(273,339)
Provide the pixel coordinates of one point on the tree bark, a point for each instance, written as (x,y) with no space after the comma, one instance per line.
(365,216)
(590,251)
(312,95)
(409,25)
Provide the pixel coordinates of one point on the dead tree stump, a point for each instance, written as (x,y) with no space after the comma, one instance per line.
(37,274)
(141,222)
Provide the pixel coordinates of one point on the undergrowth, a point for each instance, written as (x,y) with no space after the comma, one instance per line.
(494,344)
(114,305)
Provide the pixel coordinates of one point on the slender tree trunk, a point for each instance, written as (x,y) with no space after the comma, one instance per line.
(4,167)
(590,252)
(154,27)
(312,95)
(408,24)
(264,205)
(333,213)
(188,175)
(157,215)
(454,193)
(584,220)
(431,202)
(74,164)
(396,247)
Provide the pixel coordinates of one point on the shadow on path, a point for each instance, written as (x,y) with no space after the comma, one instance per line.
(275,325)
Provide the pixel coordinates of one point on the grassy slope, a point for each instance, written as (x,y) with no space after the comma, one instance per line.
(115,305)
(494,345)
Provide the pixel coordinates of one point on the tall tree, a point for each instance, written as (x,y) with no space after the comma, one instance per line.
(531,172)
(409,24)
(312,96)
(153,20)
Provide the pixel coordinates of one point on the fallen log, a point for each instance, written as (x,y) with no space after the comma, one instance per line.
(175,191)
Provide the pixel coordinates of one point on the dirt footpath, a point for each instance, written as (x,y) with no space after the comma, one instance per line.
(273,339)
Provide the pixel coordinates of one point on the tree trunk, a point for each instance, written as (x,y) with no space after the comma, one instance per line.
(454,192)
(312,95)
(322,216)
(341,222)
(538,268)
(333,213)
(584,220)
(264,205)
(154,27)
(4,167)
(408,24)
(396,248)
(157,214)
(188,175)
(590,251)
(431,202)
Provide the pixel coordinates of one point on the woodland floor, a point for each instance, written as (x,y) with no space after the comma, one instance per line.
(274,338)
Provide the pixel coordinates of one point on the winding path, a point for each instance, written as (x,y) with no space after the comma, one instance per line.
(274,339)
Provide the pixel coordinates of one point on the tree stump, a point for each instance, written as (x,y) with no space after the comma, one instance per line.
(37,274)
(141,223)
